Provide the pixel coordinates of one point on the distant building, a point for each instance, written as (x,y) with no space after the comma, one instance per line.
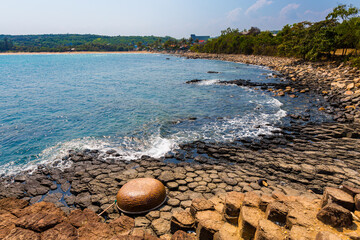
(201,39)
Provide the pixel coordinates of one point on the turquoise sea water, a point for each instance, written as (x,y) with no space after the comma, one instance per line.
(136,103)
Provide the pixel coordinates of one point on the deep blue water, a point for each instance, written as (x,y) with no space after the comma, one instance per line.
(135,103)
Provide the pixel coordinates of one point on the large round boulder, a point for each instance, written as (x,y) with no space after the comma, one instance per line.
(141,195)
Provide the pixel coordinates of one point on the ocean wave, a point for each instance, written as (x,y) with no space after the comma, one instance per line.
(209,82)
(156,145)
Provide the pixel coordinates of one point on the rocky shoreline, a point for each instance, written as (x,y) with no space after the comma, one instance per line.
(299,160)
(339,84)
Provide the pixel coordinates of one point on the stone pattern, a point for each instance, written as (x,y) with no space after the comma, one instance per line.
(285,217)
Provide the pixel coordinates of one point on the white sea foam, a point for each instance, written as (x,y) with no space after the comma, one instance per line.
(251,124)
(209,82)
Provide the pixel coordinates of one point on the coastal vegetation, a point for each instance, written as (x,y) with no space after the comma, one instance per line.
(77,42)
(313,41)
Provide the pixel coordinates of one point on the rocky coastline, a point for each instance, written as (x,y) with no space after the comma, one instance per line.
(300,160)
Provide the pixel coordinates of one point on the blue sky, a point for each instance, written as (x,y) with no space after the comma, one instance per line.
(157,17)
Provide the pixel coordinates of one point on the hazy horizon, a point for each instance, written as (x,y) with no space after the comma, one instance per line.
(157,18)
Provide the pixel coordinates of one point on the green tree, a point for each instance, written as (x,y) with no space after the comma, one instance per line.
(347,31)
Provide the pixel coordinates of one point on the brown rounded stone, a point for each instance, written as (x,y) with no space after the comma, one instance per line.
(141,195)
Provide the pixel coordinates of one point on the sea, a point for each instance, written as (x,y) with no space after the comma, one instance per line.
(137,104)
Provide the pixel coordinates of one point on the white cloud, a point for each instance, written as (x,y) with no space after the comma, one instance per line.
(257,5)
(234,14)
(285,10)
(317,16)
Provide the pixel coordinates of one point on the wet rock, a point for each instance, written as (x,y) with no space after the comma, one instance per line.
(69,200)
(335,215)
(83,200)
(182,221)
(111,151)
(65,186)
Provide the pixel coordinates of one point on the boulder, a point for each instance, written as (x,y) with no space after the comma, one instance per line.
(200,204)
(335,216)
(248,221)
(141,195)
(334,195)
(79,218)
(63,231)
(326,236)
(268,230)
(182,221)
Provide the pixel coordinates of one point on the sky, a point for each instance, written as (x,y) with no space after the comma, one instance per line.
(157,17)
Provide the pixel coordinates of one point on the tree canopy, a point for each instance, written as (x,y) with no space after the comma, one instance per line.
(307,40)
